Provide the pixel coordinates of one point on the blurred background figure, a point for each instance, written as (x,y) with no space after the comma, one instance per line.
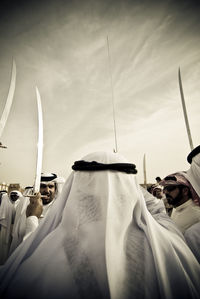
(157,191)
(9,203)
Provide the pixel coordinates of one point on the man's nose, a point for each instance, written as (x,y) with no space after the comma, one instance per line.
(47,189)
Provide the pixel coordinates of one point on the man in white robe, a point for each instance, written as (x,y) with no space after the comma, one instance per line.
(30,212)
(100,241)
(180,193)
(186,213)
(193,173)
(8,207)
(192,235)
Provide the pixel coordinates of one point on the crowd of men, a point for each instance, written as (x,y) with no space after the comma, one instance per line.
(20,214)
(103,235)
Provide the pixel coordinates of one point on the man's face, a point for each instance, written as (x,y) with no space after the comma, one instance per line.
(47,190)
(157,192)
(173,194)
(14,196)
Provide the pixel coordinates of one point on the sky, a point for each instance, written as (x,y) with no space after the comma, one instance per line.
(61,47)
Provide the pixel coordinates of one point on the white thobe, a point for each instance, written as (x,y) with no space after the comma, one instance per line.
(193,240)
(186,215)
(25,226)
(7,214)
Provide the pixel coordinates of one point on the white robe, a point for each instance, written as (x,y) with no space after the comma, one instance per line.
(100,241)
(193,240)
(7,214)
(25,226)
(192,234)
(186,215)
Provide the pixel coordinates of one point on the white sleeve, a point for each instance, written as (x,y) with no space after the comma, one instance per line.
(32,223)
(192,238)
(154,205)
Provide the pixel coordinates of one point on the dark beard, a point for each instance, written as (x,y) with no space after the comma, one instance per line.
(174,201)
(46,201)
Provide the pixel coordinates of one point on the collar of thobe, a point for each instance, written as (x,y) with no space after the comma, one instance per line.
(185,205)
(46,207)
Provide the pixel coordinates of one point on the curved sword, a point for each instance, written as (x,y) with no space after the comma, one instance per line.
(9,100)
(184,110)
(145,172)
(113,106)
(39,145)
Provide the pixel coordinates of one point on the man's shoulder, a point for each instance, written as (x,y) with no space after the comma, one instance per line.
(193,230)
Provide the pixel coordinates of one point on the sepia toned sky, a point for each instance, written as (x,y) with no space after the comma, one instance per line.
(61,47)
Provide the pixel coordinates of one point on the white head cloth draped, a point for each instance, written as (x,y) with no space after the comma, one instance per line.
(100,241)
(193,173)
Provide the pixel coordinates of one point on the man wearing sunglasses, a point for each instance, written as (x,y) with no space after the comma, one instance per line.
(181,195)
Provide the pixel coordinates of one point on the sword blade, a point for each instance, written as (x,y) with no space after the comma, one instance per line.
(144,170)
(184,110)
(9,100)
(39,145)
(112,90)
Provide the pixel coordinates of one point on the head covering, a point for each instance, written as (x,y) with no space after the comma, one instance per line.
(193,153)
(47,177)
(179,179)
(52,177)
(193,173)
(96,166)
(174,179)
(14,196)
(155,187)
(100,241)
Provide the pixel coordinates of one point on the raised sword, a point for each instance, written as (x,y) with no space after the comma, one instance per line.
(184,110)
(144,171)
(9,100)
(36,187)
(113,106)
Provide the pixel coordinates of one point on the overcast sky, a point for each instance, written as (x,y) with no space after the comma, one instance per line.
(61,47)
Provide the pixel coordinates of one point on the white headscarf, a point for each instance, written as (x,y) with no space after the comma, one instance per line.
(100,241)
(193,174)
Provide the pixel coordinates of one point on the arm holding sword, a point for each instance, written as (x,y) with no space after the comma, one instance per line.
(40,202)
(33,213)
(35,206)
